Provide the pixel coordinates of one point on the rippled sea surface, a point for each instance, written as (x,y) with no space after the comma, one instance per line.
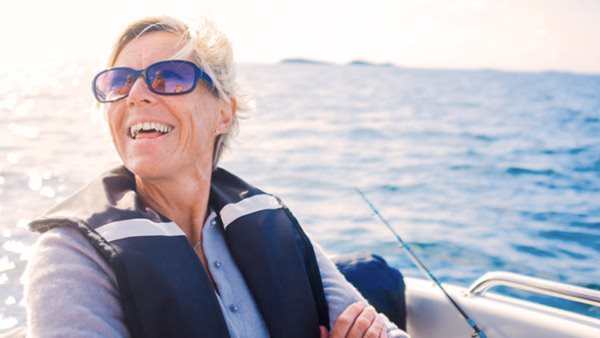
(477,170)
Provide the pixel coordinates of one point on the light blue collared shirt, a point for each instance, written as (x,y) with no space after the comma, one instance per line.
(237,304)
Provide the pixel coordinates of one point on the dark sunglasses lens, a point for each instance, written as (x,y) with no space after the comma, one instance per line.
(171,77)
(113,84)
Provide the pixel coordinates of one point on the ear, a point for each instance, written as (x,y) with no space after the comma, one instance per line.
(226,115)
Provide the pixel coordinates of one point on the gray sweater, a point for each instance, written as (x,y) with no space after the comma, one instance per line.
(70,290)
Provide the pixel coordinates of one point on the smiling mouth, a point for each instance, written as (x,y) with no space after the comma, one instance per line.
(145,130)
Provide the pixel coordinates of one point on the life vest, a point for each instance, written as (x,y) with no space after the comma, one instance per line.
(164,289)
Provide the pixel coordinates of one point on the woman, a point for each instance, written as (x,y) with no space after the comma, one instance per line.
(169,245)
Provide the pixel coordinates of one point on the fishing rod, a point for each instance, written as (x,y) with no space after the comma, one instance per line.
(477,332)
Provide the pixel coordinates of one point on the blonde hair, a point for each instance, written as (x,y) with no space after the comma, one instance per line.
(210,49)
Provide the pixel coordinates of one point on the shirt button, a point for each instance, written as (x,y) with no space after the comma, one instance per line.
(234,308)
(217,264)
(213,222)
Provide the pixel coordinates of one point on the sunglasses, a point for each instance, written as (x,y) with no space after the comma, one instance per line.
(169,77)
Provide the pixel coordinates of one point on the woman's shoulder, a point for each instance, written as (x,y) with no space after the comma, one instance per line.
(61,238)
(66,251)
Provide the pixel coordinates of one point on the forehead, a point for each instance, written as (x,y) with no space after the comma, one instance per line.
(147,49)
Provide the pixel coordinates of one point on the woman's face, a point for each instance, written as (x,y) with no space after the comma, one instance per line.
(193,118)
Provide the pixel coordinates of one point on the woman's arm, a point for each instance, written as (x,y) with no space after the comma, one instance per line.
(341,295)
(70,291)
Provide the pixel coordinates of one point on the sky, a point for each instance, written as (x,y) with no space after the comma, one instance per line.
(525,35)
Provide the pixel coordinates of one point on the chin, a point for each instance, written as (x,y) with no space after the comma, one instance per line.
(147,169)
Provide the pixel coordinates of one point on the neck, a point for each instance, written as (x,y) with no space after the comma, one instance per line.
(182,198)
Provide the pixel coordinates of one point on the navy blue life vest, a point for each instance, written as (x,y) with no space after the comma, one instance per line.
(164,289)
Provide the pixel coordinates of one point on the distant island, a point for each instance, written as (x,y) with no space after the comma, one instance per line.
(366,63)
(305,61)
(352,63)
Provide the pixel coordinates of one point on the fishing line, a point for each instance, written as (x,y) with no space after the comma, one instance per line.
(477,332)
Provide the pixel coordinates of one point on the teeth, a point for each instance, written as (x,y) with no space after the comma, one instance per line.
(135,129)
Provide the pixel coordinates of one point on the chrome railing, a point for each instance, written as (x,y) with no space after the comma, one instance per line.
(536,285)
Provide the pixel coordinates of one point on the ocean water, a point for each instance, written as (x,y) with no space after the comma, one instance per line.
(477,170)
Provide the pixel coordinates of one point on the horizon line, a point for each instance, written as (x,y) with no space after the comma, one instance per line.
(355,62)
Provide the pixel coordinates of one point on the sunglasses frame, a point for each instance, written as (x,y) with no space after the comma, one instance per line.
(198,74)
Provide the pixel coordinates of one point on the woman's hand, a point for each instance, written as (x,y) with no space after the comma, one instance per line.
(358,320)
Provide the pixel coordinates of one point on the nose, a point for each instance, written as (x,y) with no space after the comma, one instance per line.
(139,92)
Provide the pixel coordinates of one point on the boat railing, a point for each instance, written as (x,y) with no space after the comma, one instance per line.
(536,285)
